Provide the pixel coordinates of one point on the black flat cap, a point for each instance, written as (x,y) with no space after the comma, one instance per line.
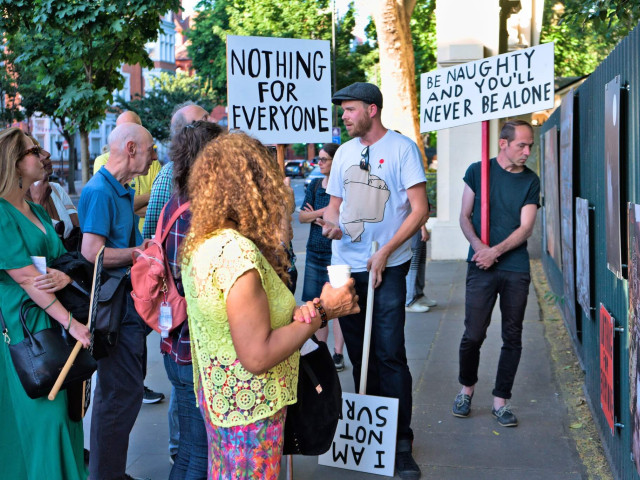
(365,92)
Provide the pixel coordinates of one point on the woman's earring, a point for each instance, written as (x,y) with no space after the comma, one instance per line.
(20,181)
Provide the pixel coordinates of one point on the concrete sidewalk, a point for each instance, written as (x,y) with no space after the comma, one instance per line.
(446,447)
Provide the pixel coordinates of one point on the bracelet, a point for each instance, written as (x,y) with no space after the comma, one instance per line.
(69,324)
(323,314)
(54,301)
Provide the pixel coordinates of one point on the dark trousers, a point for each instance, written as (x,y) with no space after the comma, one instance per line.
(388,374)
(483,288)
(117,398)
(191,461)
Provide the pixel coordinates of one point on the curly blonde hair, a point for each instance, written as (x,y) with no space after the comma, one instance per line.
(236,178)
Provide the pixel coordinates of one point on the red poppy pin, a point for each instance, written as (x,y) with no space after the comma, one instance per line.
(380,163)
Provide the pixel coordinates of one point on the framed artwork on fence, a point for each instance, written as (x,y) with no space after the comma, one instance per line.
(612,175)
(634,327)
(583,256)
(551,196)
(606,366)
(566,210)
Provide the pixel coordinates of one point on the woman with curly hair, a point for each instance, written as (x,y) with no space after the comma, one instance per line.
(246,329)
(190,461)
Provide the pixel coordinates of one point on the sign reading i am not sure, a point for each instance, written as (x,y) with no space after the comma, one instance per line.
(505,85)
(365,439)
(279,89)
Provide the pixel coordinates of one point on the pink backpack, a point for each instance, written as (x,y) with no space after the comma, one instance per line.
(152,281)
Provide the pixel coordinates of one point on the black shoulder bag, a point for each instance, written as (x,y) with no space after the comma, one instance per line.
(39,358)
(311,422)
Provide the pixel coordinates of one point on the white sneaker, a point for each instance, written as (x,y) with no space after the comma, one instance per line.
(416,307)
(427,301)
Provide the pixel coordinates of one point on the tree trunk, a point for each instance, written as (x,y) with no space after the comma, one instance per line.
(73,161)
(397,68)
(84,155)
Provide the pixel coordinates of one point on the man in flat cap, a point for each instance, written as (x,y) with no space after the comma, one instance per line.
(378,193)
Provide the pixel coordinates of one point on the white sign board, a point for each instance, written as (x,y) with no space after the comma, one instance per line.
(506,85)
(365,439)
(279,89)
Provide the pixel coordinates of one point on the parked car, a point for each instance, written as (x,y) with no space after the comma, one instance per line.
(296,168)
(315,173)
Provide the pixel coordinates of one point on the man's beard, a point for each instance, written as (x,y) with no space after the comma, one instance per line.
(361,128)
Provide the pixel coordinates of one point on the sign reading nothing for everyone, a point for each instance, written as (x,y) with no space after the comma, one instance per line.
(279,89)
(506,85)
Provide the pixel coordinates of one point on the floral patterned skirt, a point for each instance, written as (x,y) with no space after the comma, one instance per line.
(245,452)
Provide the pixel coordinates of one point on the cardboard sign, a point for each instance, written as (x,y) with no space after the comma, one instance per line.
(365,439)
(606,366)
(279,89)
(505,85)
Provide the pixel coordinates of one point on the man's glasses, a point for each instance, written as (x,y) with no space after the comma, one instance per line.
(36,150)
(364,161)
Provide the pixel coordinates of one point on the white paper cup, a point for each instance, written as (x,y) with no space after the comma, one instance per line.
(339,275)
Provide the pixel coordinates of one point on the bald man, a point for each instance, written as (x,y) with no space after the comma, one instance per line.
(107,218)
(141,184)
(184,114)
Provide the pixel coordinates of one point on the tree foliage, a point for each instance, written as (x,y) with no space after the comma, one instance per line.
(423,33)
(161,97)
(308,19)
(585,32)
(76,48)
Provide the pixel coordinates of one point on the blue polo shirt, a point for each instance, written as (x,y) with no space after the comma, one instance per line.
(106,209)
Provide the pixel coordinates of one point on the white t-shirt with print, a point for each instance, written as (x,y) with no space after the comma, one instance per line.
(374,202)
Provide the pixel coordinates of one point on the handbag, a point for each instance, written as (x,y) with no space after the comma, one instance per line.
(112,300)
(39,358)
(311,422)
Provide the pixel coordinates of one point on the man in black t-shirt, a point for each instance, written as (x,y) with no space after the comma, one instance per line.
(500,268)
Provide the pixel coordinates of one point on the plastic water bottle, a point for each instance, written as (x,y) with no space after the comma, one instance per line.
(165,320)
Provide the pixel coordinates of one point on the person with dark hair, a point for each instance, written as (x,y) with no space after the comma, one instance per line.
(318,247)
(37,437)
(190,460)
(246,328)
(500,268)
(184,114)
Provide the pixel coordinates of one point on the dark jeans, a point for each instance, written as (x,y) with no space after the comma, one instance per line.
(117,398)
(483,287)
(315,274)
(388,374)
(191,462)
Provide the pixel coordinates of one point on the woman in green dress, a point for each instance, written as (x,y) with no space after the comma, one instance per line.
(37,438)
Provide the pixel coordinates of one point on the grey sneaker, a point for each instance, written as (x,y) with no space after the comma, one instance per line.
(338,361)
(462,405)
(505,416)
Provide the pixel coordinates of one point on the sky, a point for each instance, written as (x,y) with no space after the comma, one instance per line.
(362,11)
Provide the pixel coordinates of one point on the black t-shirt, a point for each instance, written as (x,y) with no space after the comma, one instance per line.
(509,192)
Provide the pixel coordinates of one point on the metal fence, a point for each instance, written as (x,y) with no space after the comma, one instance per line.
(588,181)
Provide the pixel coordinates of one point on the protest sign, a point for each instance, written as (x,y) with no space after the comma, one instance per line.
(505,85)
(365,439)
(279,89)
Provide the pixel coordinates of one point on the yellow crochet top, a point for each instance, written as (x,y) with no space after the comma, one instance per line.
(232,395)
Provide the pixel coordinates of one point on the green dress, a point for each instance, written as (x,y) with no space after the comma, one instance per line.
(37,438)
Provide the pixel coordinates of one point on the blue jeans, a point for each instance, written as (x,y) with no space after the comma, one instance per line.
(483,288)
(417,269)
(388,374)
(315,274)
(191,462)
(117,398)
